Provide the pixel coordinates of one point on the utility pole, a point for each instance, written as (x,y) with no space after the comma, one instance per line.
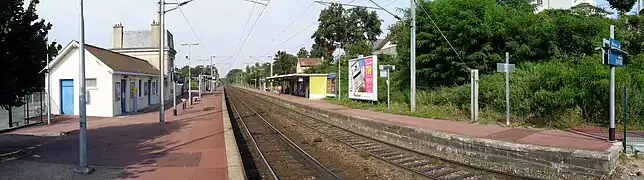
(412,95)
(174,89)
(48,86)
(611,111)
(162,12)
(161,60)
(82,149)
(189,67)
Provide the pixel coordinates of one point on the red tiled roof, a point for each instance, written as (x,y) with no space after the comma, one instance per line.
(308,62)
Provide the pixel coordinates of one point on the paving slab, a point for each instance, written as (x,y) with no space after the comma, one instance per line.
(188,146)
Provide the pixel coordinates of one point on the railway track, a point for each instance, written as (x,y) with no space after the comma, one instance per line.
(282,158)
(424,165)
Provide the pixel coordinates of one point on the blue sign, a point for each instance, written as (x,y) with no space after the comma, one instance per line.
(612,53)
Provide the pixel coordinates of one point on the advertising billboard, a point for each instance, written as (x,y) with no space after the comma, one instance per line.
(363,84)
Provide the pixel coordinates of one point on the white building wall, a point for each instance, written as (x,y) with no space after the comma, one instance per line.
(561,4)
(153,58)
(98,97)
(141,101)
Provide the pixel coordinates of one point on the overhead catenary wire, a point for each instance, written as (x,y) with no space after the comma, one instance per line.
(244,31)
(192,29)
(441,32)
(250,32)
(285,28)
(311,25)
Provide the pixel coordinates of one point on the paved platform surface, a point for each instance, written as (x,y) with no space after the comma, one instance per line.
(568,139)
(188,146)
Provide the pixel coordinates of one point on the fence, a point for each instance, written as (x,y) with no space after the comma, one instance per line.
(33,111)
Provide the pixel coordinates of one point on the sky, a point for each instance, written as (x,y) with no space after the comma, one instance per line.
(218,25)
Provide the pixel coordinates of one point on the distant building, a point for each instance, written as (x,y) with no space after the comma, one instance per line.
(306,63)
(144,44)
(116,83)
(560,4)
(384,46)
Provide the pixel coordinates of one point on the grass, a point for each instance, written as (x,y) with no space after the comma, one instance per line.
(567,120)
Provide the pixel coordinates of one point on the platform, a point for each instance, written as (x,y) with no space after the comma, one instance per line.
(196,144)
(556,150)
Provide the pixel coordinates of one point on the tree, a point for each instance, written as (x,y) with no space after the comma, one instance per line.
(302,53)
(285,63)
(622,6)
(23,37)
(339,27)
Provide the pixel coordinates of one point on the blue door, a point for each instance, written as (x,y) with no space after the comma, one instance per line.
(123,103)
(67,96)
(149,92)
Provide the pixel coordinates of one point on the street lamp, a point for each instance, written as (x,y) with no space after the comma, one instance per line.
(82,163)
(162,12)
(189,64)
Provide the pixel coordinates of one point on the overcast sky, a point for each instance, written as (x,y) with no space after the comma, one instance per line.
(218,25)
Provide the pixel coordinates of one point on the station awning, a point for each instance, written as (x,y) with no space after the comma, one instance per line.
(294,75)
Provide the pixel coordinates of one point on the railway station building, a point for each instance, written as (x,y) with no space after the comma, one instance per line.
(116,83)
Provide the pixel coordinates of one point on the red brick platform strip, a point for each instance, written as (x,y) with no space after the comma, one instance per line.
(550,138)
(188,146)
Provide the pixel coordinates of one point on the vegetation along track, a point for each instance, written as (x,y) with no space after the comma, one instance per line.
(282,157)
(422,164)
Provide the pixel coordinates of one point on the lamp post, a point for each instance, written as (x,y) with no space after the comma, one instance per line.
(162,12)
(82,149)
(189,64)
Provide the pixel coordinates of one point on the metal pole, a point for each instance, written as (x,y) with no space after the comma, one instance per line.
(189,74)
(199,84)
(412,95)
(507,88)
(82,163)
(611,130)
(174,89)
(161,58)
(48,88)
(339,78)
(388,92)
(212,73)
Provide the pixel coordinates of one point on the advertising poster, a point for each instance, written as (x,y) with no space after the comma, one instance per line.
(363,84)
(117,91)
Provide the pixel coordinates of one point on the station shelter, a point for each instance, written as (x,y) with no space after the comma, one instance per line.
(312,86)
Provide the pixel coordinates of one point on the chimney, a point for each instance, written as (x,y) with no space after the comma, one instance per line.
(118,35)
(156,32)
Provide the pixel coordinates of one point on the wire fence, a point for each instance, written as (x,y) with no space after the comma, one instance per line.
(33,111)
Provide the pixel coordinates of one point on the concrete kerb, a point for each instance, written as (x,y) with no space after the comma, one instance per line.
(522,159)
(233,157)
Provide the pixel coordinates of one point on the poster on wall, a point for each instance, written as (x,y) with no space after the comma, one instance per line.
(117,91)
(363,84)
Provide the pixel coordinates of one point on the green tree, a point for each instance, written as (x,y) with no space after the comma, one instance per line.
(302,53)
(622,6)
(23,36)
(339,27)
(285,63)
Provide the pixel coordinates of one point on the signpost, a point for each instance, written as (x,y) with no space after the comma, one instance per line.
(474,78)
(507,68)
(612,55)
(384,72)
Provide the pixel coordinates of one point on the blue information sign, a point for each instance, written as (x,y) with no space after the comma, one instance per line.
(612,54)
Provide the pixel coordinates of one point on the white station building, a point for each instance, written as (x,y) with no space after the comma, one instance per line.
(116,83)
